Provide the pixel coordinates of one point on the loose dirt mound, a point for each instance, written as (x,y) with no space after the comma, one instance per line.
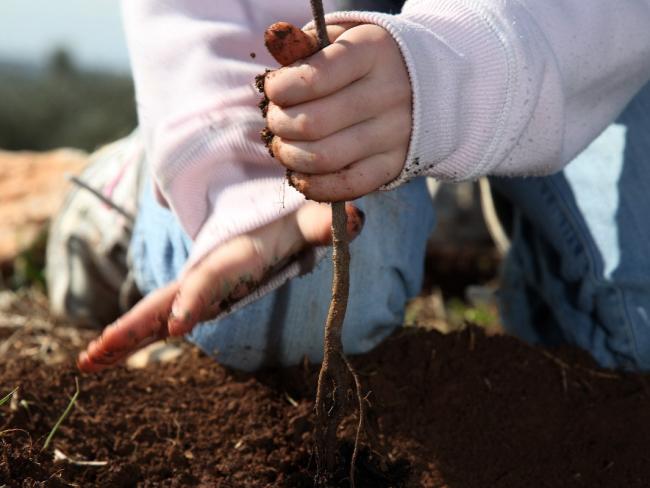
(460,411)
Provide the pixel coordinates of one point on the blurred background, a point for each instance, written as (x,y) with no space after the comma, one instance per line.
(64,83)
(64,74)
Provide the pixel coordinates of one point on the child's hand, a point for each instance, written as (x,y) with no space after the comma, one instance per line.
(228,273)
(342,117)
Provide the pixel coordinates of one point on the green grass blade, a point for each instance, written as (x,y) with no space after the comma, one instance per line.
(73,400)
(8,397)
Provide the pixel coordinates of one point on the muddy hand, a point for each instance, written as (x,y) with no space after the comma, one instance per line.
(340,118)
(226,274)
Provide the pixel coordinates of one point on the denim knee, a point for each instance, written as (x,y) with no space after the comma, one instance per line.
(579,269)
(285,326)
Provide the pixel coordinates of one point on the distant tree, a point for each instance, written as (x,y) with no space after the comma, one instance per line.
(63,105)
(61,63)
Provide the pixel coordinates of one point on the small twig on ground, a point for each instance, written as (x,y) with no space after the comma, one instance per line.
(563,369)
(600,374)
(591,372)
(565,383)
(554,359)
(65,413)
(6,432)
(60,456)
(291,401)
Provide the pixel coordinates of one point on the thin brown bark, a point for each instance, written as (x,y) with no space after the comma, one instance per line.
(334,377)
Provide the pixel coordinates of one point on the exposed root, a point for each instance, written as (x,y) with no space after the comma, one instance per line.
(331,400)
(333,380)
(336,370)
(287,43)
(362,402)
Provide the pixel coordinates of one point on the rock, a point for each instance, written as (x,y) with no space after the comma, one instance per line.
(32,188)
(158,352)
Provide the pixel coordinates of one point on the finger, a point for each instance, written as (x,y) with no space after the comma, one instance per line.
(314,222)
(228,273)
(145,323)
(126,336)
(101,362)
(339,64)
(288,44)
(352,182)
(314,120)
(346,146)
(234,270)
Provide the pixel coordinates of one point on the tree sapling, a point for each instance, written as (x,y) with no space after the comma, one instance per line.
(288,44)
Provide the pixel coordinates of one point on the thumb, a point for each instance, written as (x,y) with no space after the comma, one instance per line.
(234,269)
(288,44)
(314,223)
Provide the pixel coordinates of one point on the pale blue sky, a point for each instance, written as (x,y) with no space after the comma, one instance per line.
(90,29)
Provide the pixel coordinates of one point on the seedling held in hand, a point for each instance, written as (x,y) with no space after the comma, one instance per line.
(288,44)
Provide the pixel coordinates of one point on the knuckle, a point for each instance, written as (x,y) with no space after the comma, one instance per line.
(335,187)
(275,87)
(313,76)
(308,186)
(307,127)
(343,181)
(281,98)
(297,158)
(289,158)
(403,94)
(405,127)
(272,116)
(361,103)
(320,160)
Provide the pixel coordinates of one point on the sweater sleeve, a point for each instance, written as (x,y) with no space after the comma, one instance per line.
(194,62)
(513,87)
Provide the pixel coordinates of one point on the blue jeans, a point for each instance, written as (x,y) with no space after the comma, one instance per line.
(579,268)
(284,326)
(578,271)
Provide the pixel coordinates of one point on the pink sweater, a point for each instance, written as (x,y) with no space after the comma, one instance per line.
(500,87)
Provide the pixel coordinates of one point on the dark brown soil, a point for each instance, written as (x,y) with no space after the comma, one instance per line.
(462,410)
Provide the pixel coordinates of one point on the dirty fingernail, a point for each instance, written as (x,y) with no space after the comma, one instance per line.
(179,321)
(83,362)
(267,138)
(176,312)
(356,220)
(273,147)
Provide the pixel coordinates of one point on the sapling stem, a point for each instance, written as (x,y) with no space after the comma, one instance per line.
(333,380)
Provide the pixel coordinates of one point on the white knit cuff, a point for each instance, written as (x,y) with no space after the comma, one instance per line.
(460,73)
